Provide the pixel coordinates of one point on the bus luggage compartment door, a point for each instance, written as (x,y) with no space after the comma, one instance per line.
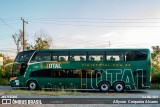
(84,80)
(139,79)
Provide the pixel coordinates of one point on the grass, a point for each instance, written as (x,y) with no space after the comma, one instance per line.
(62,92)
(50,93)
(2,92)
(155,86)
(4,81)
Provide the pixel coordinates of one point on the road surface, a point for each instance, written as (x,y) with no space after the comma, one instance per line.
(90,98)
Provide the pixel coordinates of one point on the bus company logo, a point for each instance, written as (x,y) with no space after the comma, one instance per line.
(53,66)
(6,101)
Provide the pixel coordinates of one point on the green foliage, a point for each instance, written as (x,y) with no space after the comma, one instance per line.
(155,69)
(5,70)
(41,44)
(4,77)
(4,81)
(5,73)
(156,77)
(155,86)
(42,41)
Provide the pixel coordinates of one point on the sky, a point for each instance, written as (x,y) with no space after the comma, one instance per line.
(82,23)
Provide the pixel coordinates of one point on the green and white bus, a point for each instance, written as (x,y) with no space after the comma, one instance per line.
(103,69)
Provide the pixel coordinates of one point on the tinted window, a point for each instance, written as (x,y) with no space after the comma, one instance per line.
(114,56)
(77,56)
(135,55)
(63,56)
(67,74)
(54,56)
(91,73)
(60,56)
(23,56)
(96,56)
(48,73)
(76,73)
(41,56)
(41,73)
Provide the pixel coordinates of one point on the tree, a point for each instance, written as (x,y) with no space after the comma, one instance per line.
(42,41)
(156,56)
(18,40)
(6,68)
(155,69)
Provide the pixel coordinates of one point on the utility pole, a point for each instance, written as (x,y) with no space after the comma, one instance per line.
(23,35)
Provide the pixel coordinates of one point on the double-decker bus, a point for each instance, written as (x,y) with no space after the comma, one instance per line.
(103,69)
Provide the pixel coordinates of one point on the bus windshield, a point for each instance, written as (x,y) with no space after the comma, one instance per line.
(24,56)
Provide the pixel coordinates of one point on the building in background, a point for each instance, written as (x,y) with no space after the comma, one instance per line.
(1,61)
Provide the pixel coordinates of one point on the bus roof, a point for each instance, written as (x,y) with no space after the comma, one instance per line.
(84,50)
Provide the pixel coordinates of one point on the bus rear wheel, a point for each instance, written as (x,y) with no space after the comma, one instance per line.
(32,85)
(104,87)
(118,87)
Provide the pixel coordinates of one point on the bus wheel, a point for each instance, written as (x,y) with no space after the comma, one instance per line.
(32,85)
(104,87)
(118,87)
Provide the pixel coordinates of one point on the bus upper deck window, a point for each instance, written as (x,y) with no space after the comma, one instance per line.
(77,56)
(135,55)
(41,56)
(114,56)
(96,56)
(62,56)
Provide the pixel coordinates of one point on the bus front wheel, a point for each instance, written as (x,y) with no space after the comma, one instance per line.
(118,87)
(104,87)
(32,85)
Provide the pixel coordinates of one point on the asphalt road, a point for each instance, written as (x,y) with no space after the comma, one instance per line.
(94,98)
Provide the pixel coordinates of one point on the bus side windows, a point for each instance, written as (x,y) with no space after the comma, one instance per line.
(54,58)
(63,58)
(96,56)
(82,58)
(72,58)
(135,56)
(114,56)
(77,56)
(101,58)
(41,56)
(41,73)
(66,73)
(60,56)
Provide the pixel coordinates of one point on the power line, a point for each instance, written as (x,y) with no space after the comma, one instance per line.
(92,22)
(85,21)
(60,18)
(7,24)
(95,25)
(98,25)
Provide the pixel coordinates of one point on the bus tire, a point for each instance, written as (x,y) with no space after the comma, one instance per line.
(32,85)
(104,87)
(118,87)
